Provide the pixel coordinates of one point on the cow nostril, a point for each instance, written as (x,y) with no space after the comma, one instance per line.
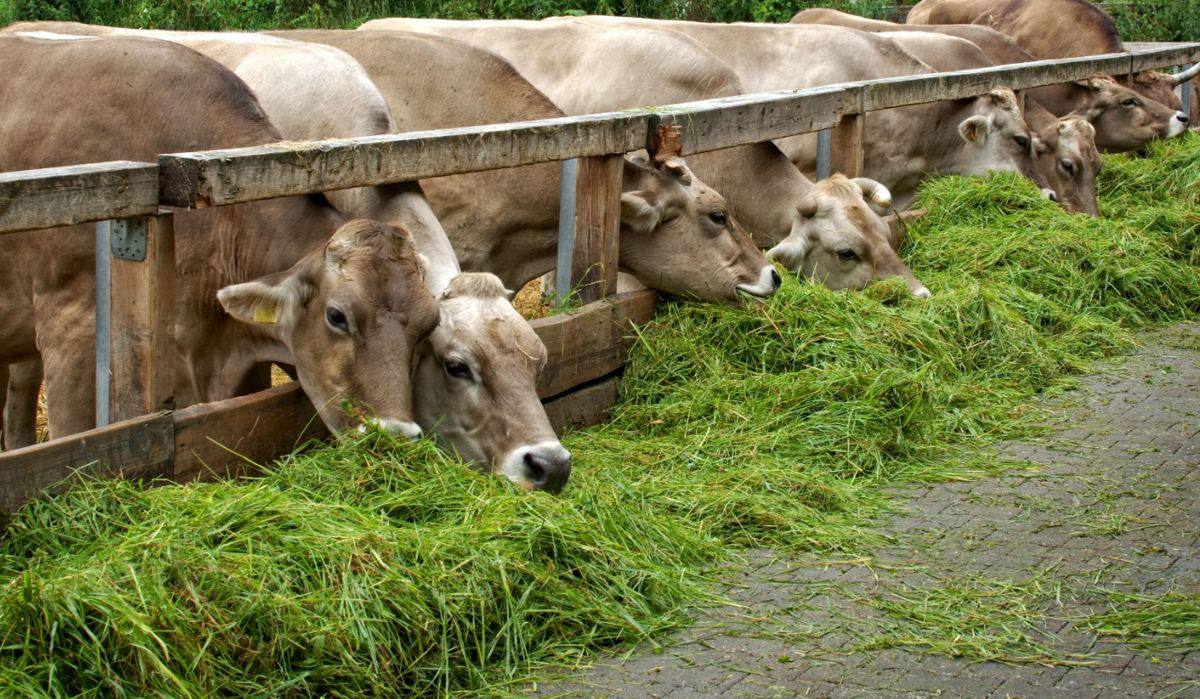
(776,279)
(535,470)
(1182,117)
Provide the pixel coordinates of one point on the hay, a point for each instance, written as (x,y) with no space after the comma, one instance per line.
(382,569)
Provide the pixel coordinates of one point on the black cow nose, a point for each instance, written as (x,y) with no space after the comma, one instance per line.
(775,278)
(1182,117)
(549,474)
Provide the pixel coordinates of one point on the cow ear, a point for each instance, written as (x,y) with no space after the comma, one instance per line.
(276,299)
(975,129)
(808,206)
(640,211)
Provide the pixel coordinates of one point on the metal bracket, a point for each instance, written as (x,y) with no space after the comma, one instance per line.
(129,239)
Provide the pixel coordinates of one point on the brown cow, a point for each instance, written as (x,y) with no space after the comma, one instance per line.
(1048,29)
(1124,119)
(344,304)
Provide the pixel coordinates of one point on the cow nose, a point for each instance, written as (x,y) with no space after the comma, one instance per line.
(548,468)
(409,429)
(776,280)
(1182,117)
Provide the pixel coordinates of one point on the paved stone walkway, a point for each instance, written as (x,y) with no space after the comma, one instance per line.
(986,588)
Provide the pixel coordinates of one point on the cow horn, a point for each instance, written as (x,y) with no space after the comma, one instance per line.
(874,191)
(1180,78)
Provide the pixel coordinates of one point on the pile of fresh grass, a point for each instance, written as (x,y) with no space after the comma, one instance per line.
(380,569)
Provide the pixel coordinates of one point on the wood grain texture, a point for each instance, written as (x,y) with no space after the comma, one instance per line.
(846,146)
(142,326)
(597,226)
(592,342)
(141,448)
(215,178)
(897,225)
(745,119)
(63,196)
(582,407)
(228,438)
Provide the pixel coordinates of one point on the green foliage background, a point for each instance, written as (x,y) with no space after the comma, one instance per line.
(1166,20)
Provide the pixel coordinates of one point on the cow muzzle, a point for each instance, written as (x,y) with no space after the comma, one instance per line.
(1179,125)
(399,427)
(768,283)
(545,466)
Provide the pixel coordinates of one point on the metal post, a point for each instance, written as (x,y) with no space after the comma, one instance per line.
(823,154)
(566,229)
(103,315)
(1185,91)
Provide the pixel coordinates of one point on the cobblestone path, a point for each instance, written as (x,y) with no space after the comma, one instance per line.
(985,588)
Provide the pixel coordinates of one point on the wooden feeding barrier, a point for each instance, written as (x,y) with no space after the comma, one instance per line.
(587,348)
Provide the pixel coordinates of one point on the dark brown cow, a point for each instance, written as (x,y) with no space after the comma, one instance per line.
(343,303)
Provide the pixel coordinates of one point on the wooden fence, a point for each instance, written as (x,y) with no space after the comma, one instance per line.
(136,273)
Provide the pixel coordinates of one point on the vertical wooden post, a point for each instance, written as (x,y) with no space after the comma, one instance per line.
(597,226)
(141,317)
(846,146)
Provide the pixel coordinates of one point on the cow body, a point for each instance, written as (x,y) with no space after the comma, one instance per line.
(271,262)
(506,221)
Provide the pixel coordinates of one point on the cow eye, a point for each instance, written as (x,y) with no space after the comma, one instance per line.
(337,319)
(458,369)
(718,217)
(1130,102)
(847,254)
(1022,142)
(1068,167)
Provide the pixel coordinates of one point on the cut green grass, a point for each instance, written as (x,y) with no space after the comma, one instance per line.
(1168,622)
(381,569)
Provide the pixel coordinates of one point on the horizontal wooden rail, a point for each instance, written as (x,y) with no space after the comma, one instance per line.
(215,178)
(64,196)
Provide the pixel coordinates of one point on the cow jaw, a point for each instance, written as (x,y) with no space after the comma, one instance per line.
(475,386)
(348,317)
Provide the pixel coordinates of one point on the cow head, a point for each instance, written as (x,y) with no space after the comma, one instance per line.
(840,242)
(475,386)
(1158,87)
(350,315)
(1124,119)
(1067,157)
(677,236)
(997,138)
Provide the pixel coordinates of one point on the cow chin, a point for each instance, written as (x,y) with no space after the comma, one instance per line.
(545,466)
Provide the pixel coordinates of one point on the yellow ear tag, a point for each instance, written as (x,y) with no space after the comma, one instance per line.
(264,313)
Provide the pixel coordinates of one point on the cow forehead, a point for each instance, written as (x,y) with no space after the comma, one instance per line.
(488,328)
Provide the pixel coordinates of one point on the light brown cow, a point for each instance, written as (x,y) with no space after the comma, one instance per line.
(311,92)
(506,221)
(1124,119)
(901,146)
(344,304)
(586,69)
(1048,29)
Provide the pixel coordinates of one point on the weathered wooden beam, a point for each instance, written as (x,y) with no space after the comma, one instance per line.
(592,342)
(142,317)
(64,196)
(226,439)
(582,407)
(1163,56)
(846,146)
(141,448)
(745,119)
(215,178)
(597,226)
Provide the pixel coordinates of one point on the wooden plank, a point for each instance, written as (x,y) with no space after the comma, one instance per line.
(846,146)
(592,342)
(141,448)
(582,407)
(215,178)
(225,439)
(142,324)
(745,119)
(597,226)
(1163,57)
(63,196)
(897,225)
